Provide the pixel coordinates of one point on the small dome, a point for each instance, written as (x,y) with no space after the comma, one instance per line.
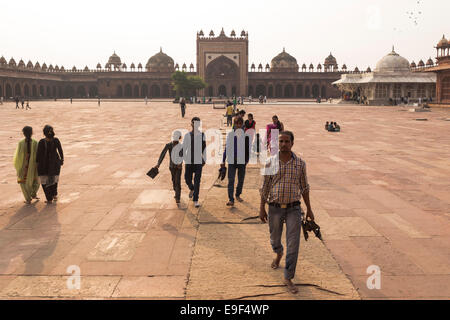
(304,66)
(177,66)
(311,66)
(330,61)
(30,65)
(319,66)
(421,64)
(191,66)
(430,62)
(114,60)
(56,68)
(260,66)
(211,34)
(184,66)
(62,69)
(37,66)
(413,65)
(44,67)
(2,60)
(243,33)
(51,68)
(253,66)
(21,64)
(160,62)
(356,69)
(74,68)
(267,66)
(392,62)
(86,69)
(443,43)
(201,34)
(132,66)
(99,66)
(12,62)
(284,62)
(140,65)
(368,69)
(344,67)
(124,66)
(233,33)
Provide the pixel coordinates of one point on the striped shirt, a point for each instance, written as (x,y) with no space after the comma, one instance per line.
(286,183)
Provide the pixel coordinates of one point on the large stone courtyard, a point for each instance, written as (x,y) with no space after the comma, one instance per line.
(380,191)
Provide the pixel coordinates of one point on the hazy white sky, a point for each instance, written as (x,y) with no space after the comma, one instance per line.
(85,32)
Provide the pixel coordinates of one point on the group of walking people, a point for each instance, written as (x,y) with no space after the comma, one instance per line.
(192,152)
(22,102)
(39,164)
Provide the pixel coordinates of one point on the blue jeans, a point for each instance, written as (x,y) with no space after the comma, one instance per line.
(193,170)
(293,219)
(231,177)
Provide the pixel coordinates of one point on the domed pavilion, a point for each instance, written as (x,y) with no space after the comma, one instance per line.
(114,62)
(391,80)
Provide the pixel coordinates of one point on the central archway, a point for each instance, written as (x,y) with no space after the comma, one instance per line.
(222,91)
(223,72)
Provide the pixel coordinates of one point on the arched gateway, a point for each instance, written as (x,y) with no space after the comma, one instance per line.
(223,74)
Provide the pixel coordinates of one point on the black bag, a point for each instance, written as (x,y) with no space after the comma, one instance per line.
(311,226)
(222,173)
(153,173)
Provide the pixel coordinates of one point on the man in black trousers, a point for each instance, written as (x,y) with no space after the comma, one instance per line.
(194,146)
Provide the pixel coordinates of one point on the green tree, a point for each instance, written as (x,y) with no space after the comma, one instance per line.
(186,85)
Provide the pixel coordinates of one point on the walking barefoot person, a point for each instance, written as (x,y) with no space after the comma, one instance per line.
(49,160)
(176,169)
(25,164)
(284,184)
(194,145)
(237,152)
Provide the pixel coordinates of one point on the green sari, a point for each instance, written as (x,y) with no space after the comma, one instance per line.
(26,168)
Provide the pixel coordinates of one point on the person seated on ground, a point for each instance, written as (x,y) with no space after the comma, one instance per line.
(337,128)
(327,126)
(330,126)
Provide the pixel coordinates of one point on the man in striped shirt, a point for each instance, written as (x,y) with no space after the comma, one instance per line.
(285,182)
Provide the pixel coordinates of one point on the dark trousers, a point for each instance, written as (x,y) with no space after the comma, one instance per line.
(232,168)
(194,171)
(176,181)
(183,111)
(229,121)
(50,191)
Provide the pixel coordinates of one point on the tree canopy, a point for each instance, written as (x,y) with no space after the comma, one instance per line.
(186,85)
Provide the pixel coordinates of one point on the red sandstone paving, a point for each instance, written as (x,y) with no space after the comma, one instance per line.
(384,167)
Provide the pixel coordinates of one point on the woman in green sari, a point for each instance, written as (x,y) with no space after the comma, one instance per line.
(25,164)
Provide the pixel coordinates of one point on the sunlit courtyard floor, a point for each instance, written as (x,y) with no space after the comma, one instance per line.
(380,190)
